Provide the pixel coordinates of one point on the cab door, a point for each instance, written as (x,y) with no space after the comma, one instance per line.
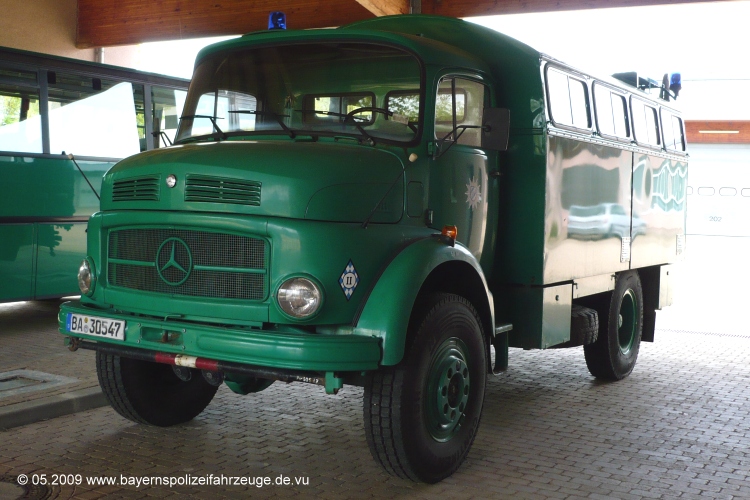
(461,190)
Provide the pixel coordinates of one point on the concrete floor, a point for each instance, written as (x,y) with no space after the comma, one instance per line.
(678,427)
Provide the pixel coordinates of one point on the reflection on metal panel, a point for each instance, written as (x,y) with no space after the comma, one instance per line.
(659,200)
(587,209)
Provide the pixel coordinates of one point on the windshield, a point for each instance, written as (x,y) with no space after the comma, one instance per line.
(368,91)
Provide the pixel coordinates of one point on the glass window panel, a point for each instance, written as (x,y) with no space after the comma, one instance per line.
(444,112)
(95,117)
(578,103)
(652,126)
(20,122)
(620,115)
(166,109)
(405,104)
(280,80)
(679,138)
(334,108)
(604,116)
(645,124)
(471,97)
(559,97)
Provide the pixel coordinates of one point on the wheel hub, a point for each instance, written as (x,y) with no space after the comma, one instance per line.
(627,321)
(448,390)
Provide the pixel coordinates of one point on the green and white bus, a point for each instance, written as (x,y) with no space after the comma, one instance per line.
(63,124)
(382,205)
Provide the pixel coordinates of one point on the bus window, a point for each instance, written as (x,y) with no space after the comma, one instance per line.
(20,122)
(611,112)
(645,124)
(674,139)
(166,109)
(94,116)
(568,98)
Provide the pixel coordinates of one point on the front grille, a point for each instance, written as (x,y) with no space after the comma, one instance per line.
(213,265)
(137,189)
(205,188)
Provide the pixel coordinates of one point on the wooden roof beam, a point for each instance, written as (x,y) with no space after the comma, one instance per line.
(386,7)
(103,23)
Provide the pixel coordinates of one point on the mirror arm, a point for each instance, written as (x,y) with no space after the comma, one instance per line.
(439,143)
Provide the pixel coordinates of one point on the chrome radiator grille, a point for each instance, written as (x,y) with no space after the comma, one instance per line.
(188,262)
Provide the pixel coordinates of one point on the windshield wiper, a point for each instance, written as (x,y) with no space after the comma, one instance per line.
(277,116)
(213,122)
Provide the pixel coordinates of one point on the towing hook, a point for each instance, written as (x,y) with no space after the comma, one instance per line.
(73,343)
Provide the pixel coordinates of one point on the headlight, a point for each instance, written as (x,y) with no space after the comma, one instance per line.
(299,297)
(86,278)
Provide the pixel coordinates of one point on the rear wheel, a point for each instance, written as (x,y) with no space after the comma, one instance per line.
(613,355)
(421,417)
(152,393)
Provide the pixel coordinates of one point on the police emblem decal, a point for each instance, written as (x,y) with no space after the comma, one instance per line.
(349,280)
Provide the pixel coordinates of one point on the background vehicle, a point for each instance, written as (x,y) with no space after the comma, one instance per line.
(371,206)
(51,107)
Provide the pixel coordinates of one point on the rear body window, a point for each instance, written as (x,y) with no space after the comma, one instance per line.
(568,99)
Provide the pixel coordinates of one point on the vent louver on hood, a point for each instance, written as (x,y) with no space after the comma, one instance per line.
(137,189)
(203,188)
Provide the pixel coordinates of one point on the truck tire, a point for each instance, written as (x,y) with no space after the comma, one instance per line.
(613,355)
(151,393)
(421,416)
(584,325)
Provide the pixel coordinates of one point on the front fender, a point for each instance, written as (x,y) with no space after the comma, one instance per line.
(389,306)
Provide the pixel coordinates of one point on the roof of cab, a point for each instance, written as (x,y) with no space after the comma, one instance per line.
(436,39)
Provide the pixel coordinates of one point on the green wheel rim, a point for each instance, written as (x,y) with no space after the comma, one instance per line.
(448,389)
(627,321)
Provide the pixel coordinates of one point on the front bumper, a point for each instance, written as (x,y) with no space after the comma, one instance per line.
(283,350)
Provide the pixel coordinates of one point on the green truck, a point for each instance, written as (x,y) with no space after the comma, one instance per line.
(387,204)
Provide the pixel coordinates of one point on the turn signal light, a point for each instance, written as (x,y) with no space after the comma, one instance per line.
(450,231)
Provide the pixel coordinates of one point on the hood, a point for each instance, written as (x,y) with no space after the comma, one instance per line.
(300,180)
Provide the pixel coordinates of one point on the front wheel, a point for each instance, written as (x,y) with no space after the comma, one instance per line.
(152,393)
(613,355)
(421,417)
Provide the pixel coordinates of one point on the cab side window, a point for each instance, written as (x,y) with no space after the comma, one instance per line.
(459,107)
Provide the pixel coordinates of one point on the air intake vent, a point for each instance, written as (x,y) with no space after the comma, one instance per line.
(203,188)
(138,189)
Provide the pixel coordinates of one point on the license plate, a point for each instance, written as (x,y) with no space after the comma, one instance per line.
(98,327)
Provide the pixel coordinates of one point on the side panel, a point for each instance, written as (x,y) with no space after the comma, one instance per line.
(587,208)
(43,210)
(659,195)
(540,315)
(16,261)
(60,250)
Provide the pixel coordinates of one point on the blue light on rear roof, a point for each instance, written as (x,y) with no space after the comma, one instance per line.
(277,21)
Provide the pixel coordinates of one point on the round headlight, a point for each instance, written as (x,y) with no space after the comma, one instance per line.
(86,278)
(299,297)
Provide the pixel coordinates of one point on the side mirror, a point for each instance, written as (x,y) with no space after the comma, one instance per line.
(495,129)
